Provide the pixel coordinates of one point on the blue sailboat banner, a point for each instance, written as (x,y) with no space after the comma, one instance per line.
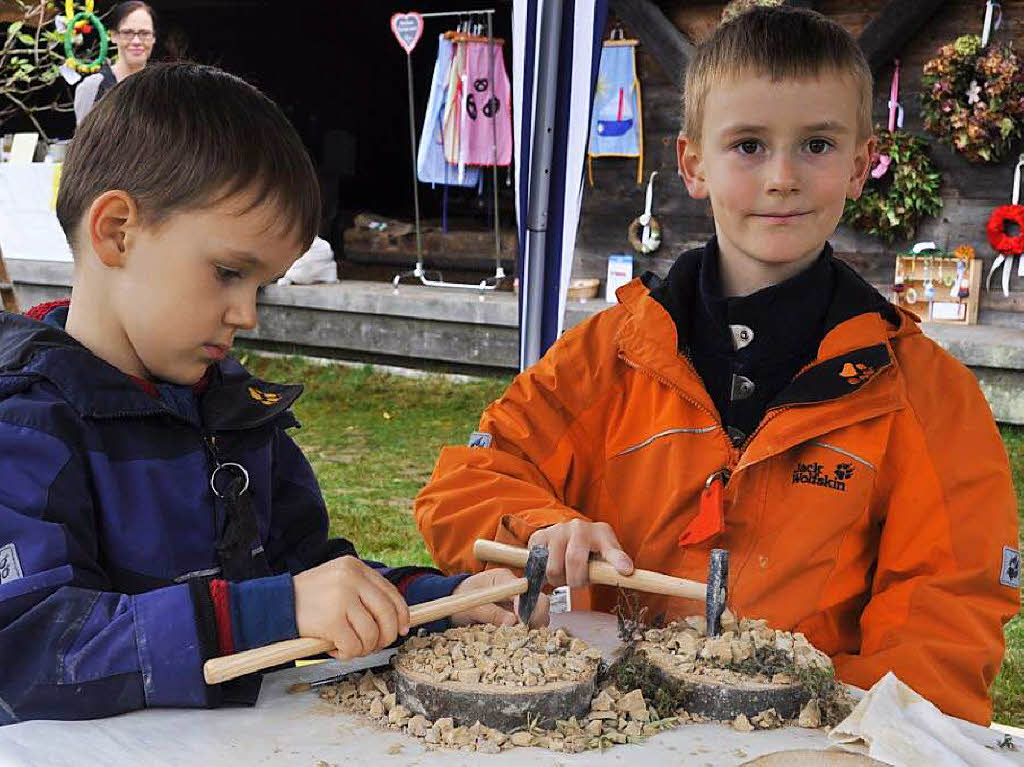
(616,125)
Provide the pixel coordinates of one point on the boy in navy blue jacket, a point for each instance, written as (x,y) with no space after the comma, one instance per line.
(153,511)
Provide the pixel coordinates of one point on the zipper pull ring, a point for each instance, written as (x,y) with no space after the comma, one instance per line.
(710,519)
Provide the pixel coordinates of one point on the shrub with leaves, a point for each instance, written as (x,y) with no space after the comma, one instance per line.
(972,98)
(894,205)
(30,60)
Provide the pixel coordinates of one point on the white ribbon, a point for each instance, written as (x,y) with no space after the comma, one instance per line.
(990,8)
(645,218)
(1016,199)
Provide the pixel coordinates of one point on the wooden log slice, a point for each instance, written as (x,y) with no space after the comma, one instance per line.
(498,706)
(725,700)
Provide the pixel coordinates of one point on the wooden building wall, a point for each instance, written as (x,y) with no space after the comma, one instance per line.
(970,190)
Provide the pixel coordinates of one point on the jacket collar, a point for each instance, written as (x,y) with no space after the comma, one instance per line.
(32,350)
(856,348)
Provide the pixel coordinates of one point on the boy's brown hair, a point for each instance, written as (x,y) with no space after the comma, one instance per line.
(181,136)
(779,43)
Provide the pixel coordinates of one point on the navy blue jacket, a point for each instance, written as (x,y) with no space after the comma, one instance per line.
(109,530)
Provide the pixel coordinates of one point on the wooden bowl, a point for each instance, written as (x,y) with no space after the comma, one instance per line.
(583,288)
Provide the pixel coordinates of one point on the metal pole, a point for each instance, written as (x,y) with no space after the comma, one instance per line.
(494,138)
(541,149)
(415,181)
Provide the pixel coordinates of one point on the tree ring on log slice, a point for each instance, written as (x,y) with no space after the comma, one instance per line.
(726,698)
(499,706)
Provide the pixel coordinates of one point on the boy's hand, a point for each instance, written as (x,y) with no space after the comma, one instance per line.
(569,547)
(349,603)
(499,614)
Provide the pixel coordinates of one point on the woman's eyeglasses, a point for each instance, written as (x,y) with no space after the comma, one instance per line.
(144,35)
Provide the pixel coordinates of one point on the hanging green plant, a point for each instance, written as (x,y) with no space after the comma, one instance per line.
(739,7)
(892,206)
(972,98)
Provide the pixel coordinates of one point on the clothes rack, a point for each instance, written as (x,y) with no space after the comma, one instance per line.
(467,31)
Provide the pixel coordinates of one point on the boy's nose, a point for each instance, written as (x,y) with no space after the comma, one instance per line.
(782,177)
(242,315)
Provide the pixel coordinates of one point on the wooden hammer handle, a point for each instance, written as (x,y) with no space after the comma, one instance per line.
(600,572)
(217,670)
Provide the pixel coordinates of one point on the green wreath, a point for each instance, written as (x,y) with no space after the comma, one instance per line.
(972,98)
(893,205)
(739,7)
(84,22)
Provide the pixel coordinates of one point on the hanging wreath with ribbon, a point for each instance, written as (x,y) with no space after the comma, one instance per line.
(83,23)
(1005,245)
(893,204)
(644,231)
(903,187)
(973,95)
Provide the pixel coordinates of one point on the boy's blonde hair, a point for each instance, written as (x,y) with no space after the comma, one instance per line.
(779,43)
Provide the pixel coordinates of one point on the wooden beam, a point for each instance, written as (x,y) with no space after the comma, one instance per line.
(887,34)
(659,36)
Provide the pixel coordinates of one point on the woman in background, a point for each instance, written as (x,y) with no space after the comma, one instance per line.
(133,30)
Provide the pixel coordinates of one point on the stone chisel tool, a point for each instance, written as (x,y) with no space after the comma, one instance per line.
(714,593)
(217,670)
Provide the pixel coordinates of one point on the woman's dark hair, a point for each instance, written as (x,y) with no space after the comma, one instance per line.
(121,10)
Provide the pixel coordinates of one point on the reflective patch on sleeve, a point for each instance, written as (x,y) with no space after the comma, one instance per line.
(10,565)
(1009,575)
(480,439)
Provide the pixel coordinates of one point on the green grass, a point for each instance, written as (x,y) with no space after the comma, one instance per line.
(373,440)
(1008,689)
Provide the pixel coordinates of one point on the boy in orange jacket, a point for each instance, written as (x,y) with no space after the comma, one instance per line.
(764,399)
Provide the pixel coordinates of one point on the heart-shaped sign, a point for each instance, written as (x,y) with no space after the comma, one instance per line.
(407,29)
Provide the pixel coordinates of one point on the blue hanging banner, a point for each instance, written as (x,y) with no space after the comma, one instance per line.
(617,125)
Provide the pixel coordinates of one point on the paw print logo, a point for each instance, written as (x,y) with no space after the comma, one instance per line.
(844,471)
(856,373)
(267,398)
(1013,568)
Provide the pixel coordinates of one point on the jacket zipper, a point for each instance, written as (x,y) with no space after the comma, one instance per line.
(661,379)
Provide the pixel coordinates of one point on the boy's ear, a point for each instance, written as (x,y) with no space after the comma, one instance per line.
(112,218)
(691,167)
(861,167)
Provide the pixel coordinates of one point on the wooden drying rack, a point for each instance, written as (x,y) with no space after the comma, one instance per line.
(943,307)
(465,37)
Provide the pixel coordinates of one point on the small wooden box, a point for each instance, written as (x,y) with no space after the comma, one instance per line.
(943,308)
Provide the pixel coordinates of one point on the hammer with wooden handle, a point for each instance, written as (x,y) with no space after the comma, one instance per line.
(217,670)
(713,593)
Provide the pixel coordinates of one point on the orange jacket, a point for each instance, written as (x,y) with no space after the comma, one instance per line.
(870,510)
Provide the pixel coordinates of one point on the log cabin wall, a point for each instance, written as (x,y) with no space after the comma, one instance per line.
(970,190)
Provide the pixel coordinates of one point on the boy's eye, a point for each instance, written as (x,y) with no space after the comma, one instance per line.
(226,275)
(819,145)
(748,147)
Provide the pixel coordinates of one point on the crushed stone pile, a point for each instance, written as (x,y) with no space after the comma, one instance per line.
(519,657)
